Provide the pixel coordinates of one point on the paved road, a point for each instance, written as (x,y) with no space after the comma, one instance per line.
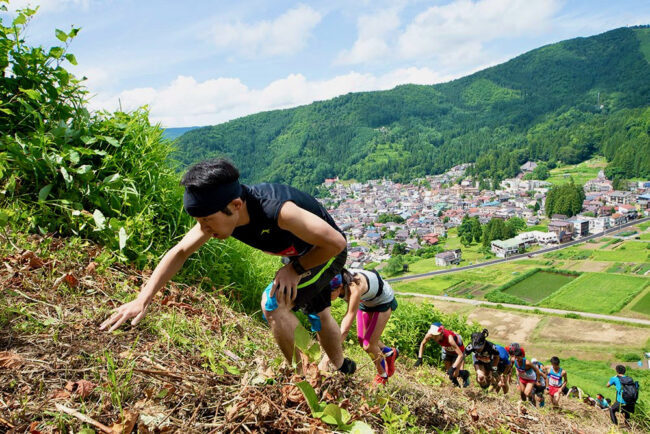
(522,256)
(530,308)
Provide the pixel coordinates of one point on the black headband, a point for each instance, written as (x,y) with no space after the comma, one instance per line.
(202,202)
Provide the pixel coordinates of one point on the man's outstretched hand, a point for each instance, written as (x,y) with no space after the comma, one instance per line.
(135,309)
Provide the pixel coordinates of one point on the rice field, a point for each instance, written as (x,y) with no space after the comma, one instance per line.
(597,292)
(433,286)
(629,251)
(643,305)
(539,286)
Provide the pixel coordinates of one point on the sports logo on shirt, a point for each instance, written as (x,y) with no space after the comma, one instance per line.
(265,231)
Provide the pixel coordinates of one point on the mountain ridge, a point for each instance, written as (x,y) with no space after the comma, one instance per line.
(415,130)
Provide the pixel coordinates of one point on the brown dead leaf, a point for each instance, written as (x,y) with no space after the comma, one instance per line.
(292,394)
(231,412)
(9,360)
(90,268)
(81,388)
(183,306)
(33,260)
(85,388)
(72,281)
(33,428)
(60,394)
(264,409)
(474,414)
(126,426)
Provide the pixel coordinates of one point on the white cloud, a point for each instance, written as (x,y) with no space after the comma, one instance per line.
(186,102)
(371,43)
(458,31)
(454,34)
(287,34)
(47,5)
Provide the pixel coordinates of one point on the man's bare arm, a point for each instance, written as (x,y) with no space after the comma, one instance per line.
(164,271)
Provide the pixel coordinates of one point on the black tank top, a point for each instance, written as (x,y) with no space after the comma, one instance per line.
(263,202)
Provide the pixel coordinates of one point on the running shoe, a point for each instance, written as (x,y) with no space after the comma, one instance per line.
(466,381)
(390,362)
(379,381)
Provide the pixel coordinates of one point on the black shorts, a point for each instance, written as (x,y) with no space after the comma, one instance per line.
(501,367)
(450,356)
(539,390)
(379,308)
(314,296)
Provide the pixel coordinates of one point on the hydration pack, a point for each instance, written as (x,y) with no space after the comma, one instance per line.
(630,390)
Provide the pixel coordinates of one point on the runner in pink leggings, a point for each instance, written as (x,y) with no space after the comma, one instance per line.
(371,301)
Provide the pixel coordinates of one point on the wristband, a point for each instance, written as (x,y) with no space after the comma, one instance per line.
(297,267)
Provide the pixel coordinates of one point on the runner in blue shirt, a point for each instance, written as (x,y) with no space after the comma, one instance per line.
(627,408)
(501,380)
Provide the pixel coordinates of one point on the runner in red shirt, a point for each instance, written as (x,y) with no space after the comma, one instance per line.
(452,352)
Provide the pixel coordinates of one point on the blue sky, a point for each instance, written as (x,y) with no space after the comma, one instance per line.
(206,62)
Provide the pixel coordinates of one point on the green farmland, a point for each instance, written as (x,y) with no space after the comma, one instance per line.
(597,292)
(643,305)
(434,286)
(630,251)
(539,286)
(580,173)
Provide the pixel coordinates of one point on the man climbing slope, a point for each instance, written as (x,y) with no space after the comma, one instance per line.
(276,219)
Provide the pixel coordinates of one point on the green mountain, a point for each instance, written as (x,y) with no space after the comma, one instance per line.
(174,133)
(561,102)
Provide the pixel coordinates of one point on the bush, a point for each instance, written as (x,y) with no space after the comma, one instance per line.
(410,322)
(496,296)
(628,357)
(104,176)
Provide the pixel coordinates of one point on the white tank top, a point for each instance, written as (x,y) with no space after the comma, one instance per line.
(371,297)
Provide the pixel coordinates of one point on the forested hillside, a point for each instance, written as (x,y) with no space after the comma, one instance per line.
(562,102)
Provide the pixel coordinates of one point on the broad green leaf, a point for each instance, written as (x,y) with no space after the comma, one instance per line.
(122,237)
(56,52)
(71,58)
(112,178)
(332,415)
(74,157)
(231,369)
(88,140)
(310,396)
(61,35)
(86,168)
(345,415)
(4,218)
(20,19)
(314,352)
(359,427)
(31,93)
(100,220)
(302,338)
(113,141)
(44,192)
(6,111)
(66,176)
(73,32)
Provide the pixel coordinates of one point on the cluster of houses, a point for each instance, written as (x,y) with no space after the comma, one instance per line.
(430,206)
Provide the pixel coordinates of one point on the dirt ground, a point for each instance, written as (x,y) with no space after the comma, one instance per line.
(548,335)
(506,326)
(590,332)
(590,266)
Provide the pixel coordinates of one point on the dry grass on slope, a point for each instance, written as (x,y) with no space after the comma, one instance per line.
(193,364)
